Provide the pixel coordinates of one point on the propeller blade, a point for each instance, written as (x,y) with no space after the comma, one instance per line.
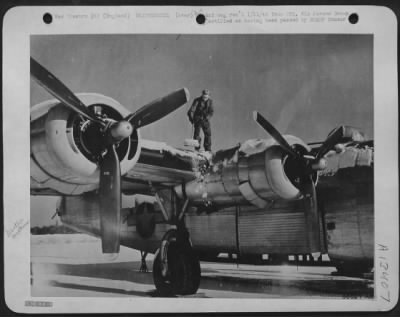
(334,138)
(56,88)
(275,134)
(312,214)
(110,201)
(339,135)
(158,109)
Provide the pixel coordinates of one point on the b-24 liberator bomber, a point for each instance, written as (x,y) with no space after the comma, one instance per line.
(274,196)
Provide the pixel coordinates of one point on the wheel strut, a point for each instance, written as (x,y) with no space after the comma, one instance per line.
(143,265)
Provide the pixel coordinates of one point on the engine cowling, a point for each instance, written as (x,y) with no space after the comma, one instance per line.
(258,172)
(65,146)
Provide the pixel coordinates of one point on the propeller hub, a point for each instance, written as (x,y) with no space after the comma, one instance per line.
(319,165)
(120,131)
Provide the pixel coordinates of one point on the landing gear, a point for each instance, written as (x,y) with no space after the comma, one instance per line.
(143,265)
(176,268)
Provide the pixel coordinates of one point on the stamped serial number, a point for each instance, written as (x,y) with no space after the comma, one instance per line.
(37,303)
(383,273)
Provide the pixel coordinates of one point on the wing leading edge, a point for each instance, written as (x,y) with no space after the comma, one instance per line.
(162,165)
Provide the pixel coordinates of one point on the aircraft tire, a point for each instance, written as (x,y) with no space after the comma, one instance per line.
(183,277)
(196,273)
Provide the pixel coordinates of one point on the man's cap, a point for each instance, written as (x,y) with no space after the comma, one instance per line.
(206,92)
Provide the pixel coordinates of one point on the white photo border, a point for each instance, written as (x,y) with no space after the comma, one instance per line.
(21,22)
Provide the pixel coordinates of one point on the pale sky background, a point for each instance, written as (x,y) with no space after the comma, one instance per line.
(306,85)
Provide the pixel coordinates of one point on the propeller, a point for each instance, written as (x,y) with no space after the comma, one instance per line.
(113,133)
(307,165)
(312,214)
(330,141)
(56,88)
(308,162)
(275,134)
(158,108)
(110,200)
(338,135)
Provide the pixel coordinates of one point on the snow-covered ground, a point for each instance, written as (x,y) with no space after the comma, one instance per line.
(75,249)
(73,265)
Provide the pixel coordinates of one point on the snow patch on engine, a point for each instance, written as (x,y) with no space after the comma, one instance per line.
(254,146)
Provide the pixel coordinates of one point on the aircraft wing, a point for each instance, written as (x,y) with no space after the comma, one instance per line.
(161,165)
(353,165)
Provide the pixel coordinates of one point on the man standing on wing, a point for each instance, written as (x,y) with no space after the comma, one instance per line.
(199,115)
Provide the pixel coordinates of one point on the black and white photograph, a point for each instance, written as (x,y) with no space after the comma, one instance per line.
(253,165)
(203,166)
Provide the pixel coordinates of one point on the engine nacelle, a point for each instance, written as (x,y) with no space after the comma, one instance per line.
(65,147)
(258,172)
